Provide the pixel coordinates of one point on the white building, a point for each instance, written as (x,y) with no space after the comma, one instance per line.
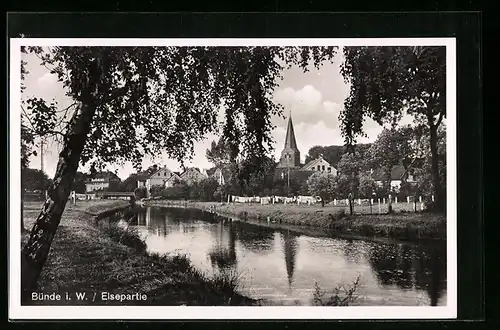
(319,165)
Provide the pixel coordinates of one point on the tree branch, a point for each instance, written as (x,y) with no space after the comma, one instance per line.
(440,119)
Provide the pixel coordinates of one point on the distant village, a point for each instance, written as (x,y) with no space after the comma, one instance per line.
(289,165)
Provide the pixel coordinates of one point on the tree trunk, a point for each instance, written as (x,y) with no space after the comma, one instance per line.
(22,215)
(35,252)
(436,180)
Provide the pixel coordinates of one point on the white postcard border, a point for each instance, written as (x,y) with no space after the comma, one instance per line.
(16,311)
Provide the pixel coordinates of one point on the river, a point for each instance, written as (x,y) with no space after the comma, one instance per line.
(283,266)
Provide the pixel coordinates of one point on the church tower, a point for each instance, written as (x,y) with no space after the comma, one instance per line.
(290,156)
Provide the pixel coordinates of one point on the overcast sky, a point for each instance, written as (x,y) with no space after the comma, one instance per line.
(314,99)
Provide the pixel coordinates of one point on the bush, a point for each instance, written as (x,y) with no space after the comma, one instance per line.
(337,298)
(125,235)
(156,190)
(141,192)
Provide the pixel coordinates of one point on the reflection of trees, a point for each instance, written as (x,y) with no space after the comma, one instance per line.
(223,256)
(392,265)
(254,238)
(290,249)
(420,267)
(431,272)
(351,250)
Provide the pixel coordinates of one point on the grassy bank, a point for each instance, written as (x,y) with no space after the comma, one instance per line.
(401,225)
(113,259)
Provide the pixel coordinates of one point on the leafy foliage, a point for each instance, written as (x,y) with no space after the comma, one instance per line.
(219,153)
(79,183)
(27,143)
(388,81)
(332,154)
(349,168)
(322,185)
(34,180)
(392,147)
(164,99)
(367,186)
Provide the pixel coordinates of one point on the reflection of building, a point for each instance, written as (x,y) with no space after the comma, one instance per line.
(148,216)
(102,181)
(290,249)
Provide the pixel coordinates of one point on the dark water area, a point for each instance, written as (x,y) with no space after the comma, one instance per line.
(283,267)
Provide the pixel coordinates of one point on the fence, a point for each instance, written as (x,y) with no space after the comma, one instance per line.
(360,206)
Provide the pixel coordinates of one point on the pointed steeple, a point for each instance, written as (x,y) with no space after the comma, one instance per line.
(290,156)
(290,141)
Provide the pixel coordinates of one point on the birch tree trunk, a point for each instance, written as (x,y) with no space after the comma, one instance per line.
(35,252)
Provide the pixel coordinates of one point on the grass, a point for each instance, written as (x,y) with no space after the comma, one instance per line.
(87,259)
(401,225)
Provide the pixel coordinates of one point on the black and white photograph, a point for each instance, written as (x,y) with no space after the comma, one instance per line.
(314,175)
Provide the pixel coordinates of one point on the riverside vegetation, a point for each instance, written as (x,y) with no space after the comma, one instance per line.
(401,225)
(112,257)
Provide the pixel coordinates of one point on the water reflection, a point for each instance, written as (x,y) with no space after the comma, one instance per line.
(290,249)
(282,266)
(223,254)
(411,267)
(255,238)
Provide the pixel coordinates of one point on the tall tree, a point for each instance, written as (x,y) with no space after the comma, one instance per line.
(332,154)
(136,101)
(349,168)
(219,153)
(386,82)
(33,179)
(392,147)
(323,185)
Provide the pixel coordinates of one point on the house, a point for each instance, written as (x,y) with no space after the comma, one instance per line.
(289,163)
(319,165)
(191,175)
(158,178)
(174,178)
(102,181)
(398,173)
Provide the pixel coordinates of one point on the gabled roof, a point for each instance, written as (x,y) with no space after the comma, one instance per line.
(397,173)
(157,171)
(314,162)
(174,176)
(106,175)
(211,171)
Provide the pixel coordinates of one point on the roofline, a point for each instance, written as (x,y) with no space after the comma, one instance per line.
(165,167)
(314,160)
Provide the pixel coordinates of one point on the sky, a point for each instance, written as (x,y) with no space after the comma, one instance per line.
(314,100)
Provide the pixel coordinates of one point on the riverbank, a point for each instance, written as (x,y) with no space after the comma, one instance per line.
(106,260)
(399,226)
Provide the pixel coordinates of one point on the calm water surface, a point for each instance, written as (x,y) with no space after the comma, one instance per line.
(283,267)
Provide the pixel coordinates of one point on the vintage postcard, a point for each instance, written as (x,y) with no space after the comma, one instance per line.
(232,179)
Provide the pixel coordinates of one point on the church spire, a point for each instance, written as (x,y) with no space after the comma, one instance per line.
(290,135)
